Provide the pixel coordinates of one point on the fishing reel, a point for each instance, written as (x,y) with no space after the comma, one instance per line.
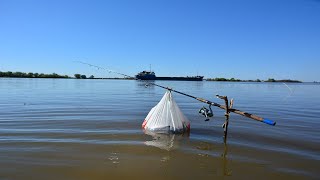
(207,113)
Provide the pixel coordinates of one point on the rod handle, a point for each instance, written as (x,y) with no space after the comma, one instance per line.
(270,122)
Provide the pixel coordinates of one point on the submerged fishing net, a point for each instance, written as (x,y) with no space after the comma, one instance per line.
(166,116)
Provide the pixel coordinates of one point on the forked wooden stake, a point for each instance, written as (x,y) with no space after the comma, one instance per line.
(227,115)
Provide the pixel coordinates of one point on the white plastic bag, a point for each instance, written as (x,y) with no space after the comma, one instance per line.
(166,117)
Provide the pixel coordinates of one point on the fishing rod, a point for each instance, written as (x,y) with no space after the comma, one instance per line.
(226,107)
(236,111)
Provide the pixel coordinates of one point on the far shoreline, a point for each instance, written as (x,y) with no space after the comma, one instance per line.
(115,78)
(31,75)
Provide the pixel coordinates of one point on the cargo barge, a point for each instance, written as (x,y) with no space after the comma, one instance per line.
(150,75)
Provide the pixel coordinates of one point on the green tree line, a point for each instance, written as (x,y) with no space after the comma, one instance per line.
(31,75)
(257,80)
(81,76)
(223,79)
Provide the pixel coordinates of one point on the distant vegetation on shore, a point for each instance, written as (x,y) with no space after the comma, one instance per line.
(257,80)
(81,76)
(31,75)
(10,74)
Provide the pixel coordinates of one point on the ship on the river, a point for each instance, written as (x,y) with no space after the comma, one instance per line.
(150,75)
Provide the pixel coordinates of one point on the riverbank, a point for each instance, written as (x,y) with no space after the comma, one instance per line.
(10,74)
(18,74)
(257,80)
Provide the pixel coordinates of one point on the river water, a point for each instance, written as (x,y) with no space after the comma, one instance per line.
(91,129)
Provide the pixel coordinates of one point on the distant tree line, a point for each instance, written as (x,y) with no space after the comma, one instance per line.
(257,80)
(282,80)
(40,75)
(81,76)
(31,75)
(223,79)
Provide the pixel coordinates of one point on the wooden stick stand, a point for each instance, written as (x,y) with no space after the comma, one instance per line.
(227,115)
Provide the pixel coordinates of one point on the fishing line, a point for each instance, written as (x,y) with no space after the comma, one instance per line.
(99,67)
(289,94)
(288,87)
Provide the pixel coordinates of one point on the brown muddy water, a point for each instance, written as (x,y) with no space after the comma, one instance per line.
(91,129)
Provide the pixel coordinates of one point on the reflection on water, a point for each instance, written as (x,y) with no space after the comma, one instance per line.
(91,129)
(169,142)
(165,141)
(226,170)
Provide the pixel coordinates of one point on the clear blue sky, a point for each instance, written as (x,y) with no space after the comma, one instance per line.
(245,39)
